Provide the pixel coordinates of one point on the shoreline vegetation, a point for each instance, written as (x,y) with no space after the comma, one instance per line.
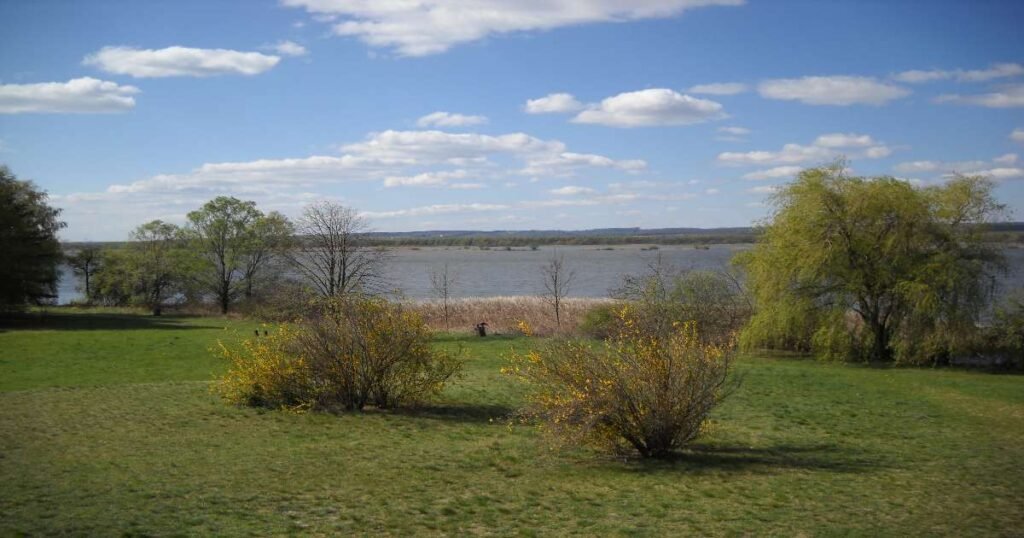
(1008,233)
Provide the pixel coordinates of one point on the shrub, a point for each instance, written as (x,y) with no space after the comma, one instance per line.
(599,321)
(641,390)
(348,354)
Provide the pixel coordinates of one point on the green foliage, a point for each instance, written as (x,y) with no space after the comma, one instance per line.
(28,243)
(85,262)
(352,353)
(599,321)
(909,263)
(665,297)
(232,242)
(645,389)
(148,271)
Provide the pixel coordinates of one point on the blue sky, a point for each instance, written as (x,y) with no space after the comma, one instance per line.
(499,114)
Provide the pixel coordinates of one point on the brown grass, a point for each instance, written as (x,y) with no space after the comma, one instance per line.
(503,314)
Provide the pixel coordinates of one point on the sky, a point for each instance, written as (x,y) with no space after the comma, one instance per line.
(499,114)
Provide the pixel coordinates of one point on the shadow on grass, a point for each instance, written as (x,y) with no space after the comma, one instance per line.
(470,413)
(718,458)
(49,321)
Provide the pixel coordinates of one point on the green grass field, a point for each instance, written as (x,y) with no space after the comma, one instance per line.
(107,427)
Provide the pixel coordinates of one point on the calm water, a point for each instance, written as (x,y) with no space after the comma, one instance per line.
(495,272)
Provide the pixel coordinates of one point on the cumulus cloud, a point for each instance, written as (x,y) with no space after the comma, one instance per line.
(652,107)
(433,26)
(719,88)
(763,189)
(1017,135)
(774,173)
(1009,96)
(999,168)
(825,147)
(179,61)
(832,90)
(80,95)
(553,103)
(571,190)
(999,70)
(735,131)
(288,48)
(448,119)
(425,179)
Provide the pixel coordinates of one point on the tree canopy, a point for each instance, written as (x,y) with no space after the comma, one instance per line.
(28,242)
(872,268)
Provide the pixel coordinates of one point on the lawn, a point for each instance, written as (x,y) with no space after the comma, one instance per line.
(108,427)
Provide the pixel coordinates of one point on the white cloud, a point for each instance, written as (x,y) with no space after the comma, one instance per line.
(425,179)
(774,173)
(1009,158)
(435,209)
(844,140)
(999,168)
(565,164)
(448,119)
(81,95)
(288,48)
(719,88)
(420,28)
(179,61)
(650,107)
(572,190)
(832,90)
(999,70)
(763,189)
(735,131)
(711,192)
(1006,97)
(1017,135)
(825,147)
(553,103)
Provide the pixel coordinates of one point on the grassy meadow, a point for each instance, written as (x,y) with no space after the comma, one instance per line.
(108,427)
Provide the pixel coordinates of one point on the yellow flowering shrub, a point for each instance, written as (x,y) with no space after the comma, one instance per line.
(348,354)
(265,372)
(643,390)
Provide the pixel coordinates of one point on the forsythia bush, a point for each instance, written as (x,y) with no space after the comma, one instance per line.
(349,354)
(645,390)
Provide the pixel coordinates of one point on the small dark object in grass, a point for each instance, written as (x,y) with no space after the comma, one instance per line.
(481,328)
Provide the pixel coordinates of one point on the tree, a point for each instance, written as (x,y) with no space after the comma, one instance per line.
(871,268)
(443,281)
(221,236)
(558,280)
(270,237)
(28,242)
(332,254)
(147,271)
(85,263)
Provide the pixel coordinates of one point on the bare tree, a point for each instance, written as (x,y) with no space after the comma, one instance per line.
(443,281)
(332,253)
(557,281)
(270,237)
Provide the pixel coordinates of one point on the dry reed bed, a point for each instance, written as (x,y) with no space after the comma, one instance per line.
(503,314)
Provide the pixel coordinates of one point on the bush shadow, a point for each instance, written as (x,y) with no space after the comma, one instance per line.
(50,321)
(468,413)
(728,458)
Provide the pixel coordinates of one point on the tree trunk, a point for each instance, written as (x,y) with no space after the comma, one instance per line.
(880,348)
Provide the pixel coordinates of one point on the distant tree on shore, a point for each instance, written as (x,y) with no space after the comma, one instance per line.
(558,279)
(331,251)
(148,271)
(872,268)
(232,243)
(443,282)
(29,247)
(84,263)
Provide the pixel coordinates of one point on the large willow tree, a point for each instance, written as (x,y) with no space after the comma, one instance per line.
(872,268)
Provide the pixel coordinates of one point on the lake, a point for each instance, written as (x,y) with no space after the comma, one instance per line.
(497,272)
